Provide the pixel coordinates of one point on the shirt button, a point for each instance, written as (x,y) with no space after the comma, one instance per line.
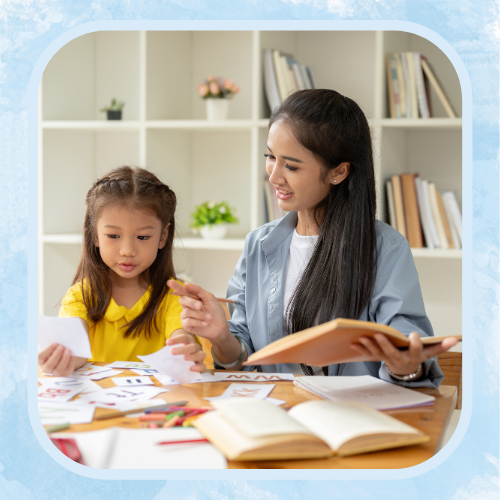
(273,290)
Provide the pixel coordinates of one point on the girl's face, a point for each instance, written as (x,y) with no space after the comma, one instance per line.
(128,241)
(294,172)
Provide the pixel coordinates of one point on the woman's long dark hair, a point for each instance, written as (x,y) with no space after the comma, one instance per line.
(141,190)
(340,276)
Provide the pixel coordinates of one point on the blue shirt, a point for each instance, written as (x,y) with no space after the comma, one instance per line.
(258,285)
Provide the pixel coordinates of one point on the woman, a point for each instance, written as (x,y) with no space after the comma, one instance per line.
(328,258)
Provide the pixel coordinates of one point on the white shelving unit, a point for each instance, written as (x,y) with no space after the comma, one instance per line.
(164,129)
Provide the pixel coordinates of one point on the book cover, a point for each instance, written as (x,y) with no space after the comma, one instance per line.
(406,77)
(428,209)
(424,216)
(437,216)
(422,97)
(444,219)
(398,203)
(449,216)
(412,84)
(390,204)
(390,89)
(401,84)
(437,88)
(455,211)
(280,75)
(270,82)
(412,217)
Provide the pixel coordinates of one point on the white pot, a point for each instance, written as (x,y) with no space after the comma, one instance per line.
(217,109)
(215,232)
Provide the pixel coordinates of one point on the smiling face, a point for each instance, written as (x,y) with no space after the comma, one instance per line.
(128,241)
(297,175)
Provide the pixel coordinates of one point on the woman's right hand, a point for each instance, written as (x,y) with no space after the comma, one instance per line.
(57,360)
(205,317)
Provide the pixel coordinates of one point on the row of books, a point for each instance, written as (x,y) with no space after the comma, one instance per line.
(425,216)
(409,78)
(272,210)
(284,75)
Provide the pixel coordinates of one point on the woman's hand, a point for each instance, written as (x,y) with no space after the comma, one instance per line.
(191,350)
(57,360)
(401,362)
(205,317)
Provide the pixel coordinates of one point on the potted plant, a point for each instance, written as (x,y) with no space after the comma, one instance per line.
(217,92)
(114,110)
(211,219)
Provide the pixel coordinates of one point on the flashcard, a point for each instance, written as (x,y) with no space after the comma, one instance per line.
(130,381)
(114,397)
(68,332)
(149,371)
(174,366)
(165,379)
(252,376)
(129,365)
(274,401)
(95,372)
(60,413)
(254,391)
(57,394)
(71,382)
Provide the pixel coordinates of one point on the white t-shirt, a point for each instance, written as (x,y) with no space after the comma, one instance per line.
(301,250)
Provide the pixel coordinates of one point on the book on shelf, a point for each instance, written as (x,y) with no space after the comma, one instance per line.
(371,391)
(251,429)
(431,219)
(270,81)
(398,203)
(412,218)
(409,80)
(330,343)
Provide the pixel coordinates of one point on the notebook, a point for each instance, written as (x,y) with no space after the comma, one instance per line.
(365,389)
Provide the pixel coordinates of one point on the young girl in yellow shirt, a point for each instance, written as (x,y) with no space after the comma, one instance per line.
(120,287)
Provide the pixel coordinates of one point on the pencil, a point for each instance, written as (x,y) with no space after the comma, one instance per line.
(138,410)
(186,441)
(227,301)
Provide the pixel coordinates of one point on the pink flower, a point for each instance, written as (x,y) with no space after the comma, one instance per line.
(228,83)
(214,89)
(202,89)
(235,89)
(211,79)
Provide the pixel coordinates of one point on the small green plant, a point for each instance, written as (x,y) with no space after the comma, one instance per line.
(114,106)
(211,213)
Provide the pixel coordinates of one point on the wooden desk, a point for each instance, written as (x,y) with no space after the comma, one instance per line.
(432,420)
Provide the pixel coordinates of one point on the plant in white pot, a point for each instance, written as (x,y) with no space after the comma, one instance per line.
(211,219)
(217,92)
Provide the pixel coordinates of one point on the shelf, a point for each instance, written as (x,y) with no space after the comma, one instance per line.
(437,253)
(200,124)
(92,125)
(422,123)
(187,243)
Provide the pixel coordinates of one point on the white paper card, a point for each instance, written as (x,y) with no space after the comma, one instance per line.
(57,394)
(60,413)
(95,372)
(131,381)
(129,365)
(165,379)
(253,391)
(252,376)
(113,397)
(274,401)
(149,371)
(68,332)
(71,383)
(174,366)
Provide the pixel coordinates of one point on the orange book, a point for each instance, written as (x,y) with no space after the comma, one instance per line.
(398,203)
(412,217)
(446,226)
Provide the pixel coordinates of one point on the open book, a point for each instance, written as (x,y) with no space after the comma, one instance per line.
(250,429)
(330,343)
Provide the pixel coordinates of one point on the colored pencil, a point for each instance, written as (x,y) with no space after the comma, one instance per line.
(138,410)
(186,441)
(227,301)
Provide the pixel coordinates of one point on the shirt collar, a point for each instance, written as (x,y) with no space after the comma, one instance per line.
(280,232)
(114,312)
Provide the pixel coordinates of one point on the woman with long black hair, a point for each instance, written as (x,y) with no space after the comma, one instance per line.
(327,258)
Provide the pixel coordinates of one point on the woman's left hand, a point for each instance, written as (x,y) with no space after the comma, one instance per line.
(401,362)
(191,350)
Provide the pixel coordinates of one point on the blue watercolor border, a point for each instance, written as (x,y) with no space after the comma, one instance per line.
(249,26)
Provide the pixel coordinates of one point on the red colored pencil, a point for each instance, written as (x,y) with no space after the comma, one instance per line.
(186,441)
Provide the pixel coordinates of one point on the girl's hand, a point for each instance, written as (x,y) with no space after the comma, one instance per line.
(190,348)
(205,317)
(401,362)
(57,360)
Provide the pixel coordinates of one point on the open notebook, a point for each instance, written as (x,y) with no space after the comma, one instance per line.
(329,343)
(250,429)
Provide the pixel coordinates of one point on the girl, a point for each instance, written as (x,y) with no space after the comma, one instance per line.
(119,289)
(328,258)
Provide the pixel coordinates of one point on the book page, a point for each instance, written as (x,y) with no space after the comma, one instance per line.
(337,422)
(257,418)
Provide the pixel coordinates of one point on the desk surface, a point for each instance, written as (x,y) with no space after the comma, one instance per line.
(432,420)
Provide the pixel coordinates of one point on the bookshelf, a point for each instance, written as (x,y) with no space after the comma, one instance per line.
(164,128)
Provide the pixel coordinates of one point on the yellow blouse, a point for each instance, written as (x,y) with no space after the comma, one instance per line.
(106,337)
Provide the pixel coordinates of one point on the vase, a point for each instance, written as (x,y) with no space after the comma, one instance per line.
(114,115)
(217,109)
(215,232)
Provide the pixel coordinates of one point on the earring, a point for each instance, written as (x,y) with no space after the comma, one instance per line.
(335,182)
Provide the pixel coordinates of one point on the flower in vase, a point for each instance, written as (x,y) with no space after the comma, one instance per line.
(203,89)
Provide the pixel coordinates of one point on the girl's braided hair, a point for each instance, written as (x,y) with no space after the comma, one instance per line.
(137,189)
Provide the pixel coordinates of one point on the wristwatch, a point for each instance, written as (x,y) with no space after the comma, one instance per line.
(407,378)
